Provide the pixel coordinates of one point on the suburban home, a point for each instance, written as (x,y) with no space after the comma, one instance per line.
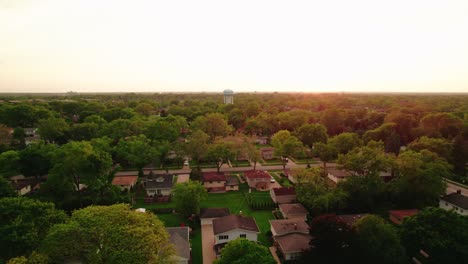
(283,195)
(397,216)
(232,183)
(351,218)
(261,140)
(22,187)
(293,211)
(125,183)
(290,236)
(207,215)
(231,227)
(214,181)
(258,179)
(159,185)
(268,153)
(337,175)
(456,201)
(182,178)
(179,237)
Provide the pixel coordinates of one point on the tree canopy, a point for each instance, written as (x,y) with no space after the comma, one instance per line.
(242,251)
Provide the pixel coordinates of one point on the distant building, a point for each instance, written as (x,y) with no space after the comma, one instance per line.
(228,96)
(124,182)
(456,201)
(397,216)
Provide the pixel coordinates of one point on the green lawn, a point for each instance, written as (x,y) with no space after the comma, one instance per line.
(240,164)
(303,161)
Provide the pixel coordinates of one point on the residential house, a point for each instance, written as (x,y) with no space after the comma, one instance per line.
(258,179)
(22,187)
(397,216)
(231,227)
(207,215)
(268,153)
(232,183)
(337,175)
(31,135)
(159,185)
(290,236)
(456,201)
(283,195)
(261,140)
(214,181)
(351,218)
(293,211)
(124,182)
(179,237)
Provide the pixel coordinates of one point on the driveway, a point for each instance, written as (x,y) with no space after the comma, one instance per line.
(207,244)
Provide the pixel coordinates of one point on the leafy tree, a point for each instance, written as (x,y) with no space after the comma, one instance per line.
(364,194)
(144,109)
(345,142)
(378,241)
(5,137)
(333,120)
(161,130)
(196,174)
(220,152)
(419,179)
(460,156)
(253,153)
(440,146)
(241,251)
(53,130)
(36,159)
(6,190)
(197,146)
(136,151)
(9,163)
(212,124)
(84,131)
(326,152)
(109,234)
(187,197)
(441,125)
(312,133)
(332,241)
(24,223)
(441,234)
(286,145)
(366,161)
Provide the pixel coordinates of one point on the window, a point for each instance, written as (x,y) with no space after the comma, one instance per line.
(223,237)
(243,235)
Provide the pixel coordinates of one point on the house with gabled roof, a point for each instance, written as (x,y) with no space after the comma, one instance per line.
(455,201)
(350,219)
(231,227)
(283,195)
(159,184)
(214,181)
(291,237)
(258,179)
(125,182)
(292,211)
(397,216)
(179,237)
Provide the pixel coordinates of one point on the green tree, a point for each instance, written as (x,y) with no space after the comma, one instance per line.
(286,145)
(440,146)
(345,142)
(441,234)
(197,146)
(312,133)
(364,194)
(24,223)
(378,241)
(6,190)
(326,152)
(136,151)
(219,153)
(53,130)
(187,197)
(241,250)
(213,124)
(36,159)
(9,163)
(109,234)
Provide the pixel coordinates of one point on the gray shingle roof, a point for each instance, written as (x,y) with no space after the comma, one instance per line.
(164,181)
(179,236)
(232,222)
(457,199)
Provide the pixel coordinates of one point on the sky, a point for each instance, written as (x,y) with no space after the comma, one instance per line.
(246,46)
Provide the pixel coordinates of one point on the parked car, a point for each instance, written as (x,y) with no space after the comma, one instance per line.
(272,180)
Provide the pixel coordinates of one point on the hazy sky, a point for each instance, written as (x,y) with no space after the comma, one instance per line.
(170,45)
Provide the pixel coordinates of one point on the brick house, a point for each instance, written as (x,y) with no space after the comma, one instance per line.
(258,179)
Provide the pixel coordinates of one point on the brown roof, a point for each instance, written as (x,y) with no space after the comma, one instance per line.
(293,242)
(284,191)
(256,174)
(293,209)
(403,213)
(267,149)
(231,222)
(213,176)
(213,212)
(351,219)
(287,226)
(339,173)
(124,180)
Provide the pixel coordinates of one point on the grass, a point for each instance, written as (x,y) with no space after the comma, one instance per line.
(303,161)
(243,163)
(203,164)
(271,162)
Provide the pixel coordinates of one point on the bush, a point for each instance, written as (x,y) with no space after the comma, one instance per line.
(162,210)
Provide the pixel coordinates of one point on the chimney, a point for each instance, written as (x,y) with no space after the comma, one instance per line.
(295,226)
(459,191)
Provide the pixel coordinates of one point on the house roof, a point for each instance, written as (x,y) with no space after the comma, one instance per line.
(268,149)
(213,212)
(338,173)
(124,180)
(232,180)
(256,174)
(287,226)
(293,242)
(164,181)
(456,199)
(351,218)
(400,214)
(20,184)
(231,222)
(179,236)
(293,209)
(284,191)
(213,176)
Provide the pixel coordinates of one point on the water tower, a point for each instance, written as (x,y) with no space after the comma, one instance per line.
(228,96)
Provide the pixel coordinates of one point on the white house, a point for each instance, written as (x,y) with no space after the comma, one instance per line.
(159,185)
(455,201)
(231,227)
